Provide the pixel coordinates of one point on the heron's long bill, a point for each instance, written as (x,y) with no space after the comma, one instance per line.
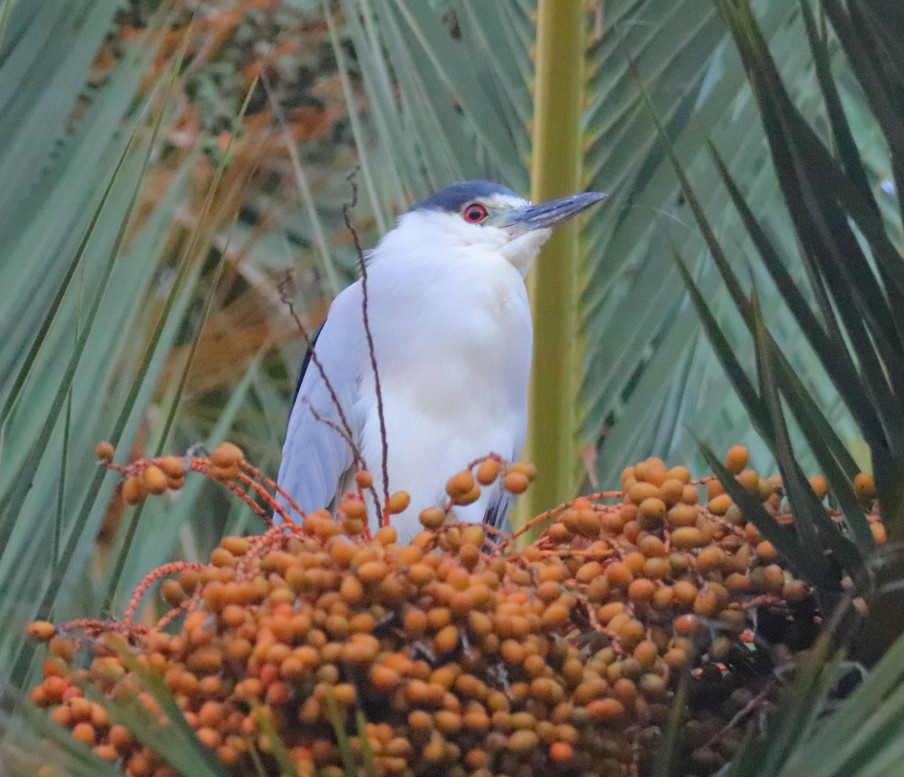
(548,214)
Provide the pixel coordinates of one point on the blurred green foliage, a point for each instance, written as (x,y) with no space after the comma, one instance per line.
(165,164)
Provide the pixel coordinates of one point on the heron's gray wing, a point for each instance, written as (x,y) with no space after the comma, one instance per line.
(317,454)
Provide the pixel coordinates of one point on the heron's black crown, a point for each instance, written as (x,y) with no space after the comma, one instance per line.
(453,198)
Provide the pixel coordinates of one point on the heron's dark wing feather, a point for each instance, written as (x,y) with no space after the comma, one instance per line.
(306,361)
(497,511)
(497,514)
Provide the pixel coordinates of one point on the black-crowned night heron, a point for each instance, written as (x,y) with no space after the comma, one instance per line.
(452,338)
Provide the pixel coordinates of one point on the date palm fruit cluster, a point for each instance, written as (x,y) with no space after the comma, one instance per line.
(461,654)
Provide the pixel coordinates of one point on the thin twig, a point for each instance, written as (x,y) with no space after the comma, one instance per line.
(94,627)
(346,215)
(282,287)
(345,430)
(251,473)
(359,459)
(149,579)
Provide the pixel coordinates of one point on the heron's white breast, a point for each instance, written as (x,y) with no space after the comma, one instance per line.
(453,346)
(453,341)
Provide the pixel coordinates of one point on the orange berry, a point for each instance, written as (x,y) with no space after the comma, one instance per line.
(227,455)
(655,472)
(237,546)
(676,658)
(683,514)
(351,590)
(719,504)
(354,508)
(671,491)
(706,603)
(224,474)
(864,487)
(587,523)
(684,592)
(773,578)
(686,537)
(736,459)
(651,512)
(42,631)
(689,495)
(656,568)
(646,653)
(386,535)
(472,496)
(460,484)
(432,517)
(710,558)
(737,583)
(880,535)
(555,616)
(487,471)
(372,571)
(819,485)
(133,490)
(172,466)
(172,592)
(561,752)
(686,625)
(446,640)
(107,752)
(479,624)
(608,611)
(641,590)
(634,561)
(714,487)
(588,572)
(750,480)
(515,482)
(155,480)
(606,709)
(458,578)
(84,732)
(104,451)
(398,502)
(619,575)
(679,473)
(523,468)
(624,690)
(363,479)
(766,551)
(523,741)
(651,546)
(558,534)
(642,490)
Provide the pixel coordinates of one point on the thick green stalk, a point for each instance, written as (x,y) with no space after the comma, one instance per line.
(555,171)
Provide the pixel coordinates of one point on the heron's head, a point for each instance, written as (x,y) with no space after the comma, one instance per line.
(482,216)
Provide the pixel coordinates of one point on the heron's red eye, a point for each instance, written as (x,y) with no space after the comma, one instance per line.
(475,213)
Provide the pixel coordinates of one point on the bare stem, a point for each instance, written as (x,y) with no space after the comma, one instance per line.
(362,263)
(359,460)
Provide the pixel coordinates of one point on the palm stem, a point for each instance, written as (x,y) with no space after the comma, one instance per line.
(555,171)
